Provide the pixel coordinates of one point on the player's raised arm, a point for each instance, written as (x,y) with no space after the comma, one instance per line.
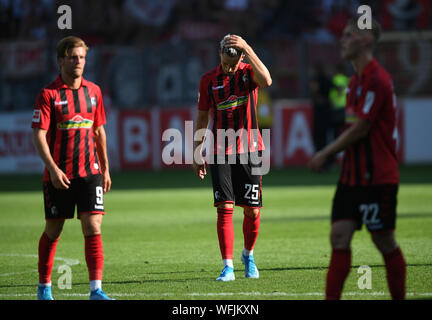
(261,75)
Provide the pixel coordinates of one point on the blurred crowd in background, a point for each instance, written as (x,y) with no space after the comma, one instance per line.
(146,53)
(149,21)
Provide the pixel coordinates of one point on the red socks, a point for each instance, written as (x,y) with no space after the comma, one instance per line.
(396,273)
(225,230)
(250,231)
(46,250)
(340,265)
(94,256)
(339,268)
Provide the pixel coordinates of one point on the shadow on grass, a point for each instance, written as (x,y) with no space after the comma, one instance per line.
(323,268)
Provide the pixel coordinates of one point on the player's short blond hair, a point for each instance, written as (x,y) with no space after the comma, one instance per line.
(70,42)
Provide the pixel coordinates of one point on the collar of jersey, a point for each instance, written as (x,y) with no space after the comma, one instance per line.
(60,83)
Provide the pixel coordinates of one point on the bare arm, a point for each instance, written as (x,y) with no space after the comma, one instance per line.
(261,74)
(198,163)
(357,131)
(57,176)
(101,149)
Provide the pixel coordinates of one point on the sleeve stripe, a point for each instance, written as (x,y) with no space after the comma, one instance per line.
(369,100)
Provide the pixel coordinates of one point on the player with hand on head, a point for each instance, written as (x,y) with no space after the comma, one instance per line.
(229,93)
(69,136)
(368,185)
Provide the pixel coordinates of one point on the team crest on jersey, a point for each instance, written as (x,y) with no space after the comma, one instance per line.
(359,90)
(245,78)
(93,101)
(76,122)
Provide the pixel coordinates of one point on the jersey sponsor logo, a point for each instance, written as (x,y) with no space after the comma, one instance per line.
(59,103)
(36,116)
(232,102)
(76,122)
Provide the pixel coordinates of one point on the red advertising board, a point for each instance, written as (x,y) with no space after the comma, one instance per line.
(292,141)
(135,139)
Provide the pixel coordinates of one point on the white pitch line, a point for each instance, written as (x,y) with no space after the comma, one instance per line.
(215,294)
(67,261)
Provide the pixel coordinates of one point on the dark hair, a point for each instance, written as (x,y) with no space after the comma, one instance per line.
(375,31)
(229,51)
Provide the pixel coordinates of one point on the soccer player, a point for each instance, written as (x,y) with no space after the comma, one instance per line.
(229,93)
(69,136)
(368,185)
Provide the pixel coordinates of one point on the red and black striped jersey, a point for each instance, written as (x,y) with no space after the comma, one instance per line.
(69,116)
(372,160)
(232,101)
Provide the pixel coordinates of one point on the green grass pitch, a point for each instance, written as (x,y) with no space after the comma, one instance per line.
(160,239)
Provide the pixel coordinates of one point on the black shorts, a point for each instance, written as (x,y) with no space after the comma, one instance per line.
(374,206)
(86,193)
(236,183)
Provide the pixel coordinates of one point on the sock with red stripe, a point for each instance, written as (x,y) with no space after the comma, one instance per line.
(250,232)
(46,253)
(225,231)
(95,259)
(396,273)
(339,268)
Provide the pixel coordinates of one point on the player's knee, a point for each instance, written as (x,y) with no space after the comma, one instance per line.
(385,243)
(225,206)
(340,239)
(252,213)
(91,224)
(54,228)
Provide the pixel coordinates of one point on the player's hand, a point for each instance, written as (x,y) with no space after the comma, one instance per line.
(200,169)
(59,179)
(237,42)
(317,161)
(106,181)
